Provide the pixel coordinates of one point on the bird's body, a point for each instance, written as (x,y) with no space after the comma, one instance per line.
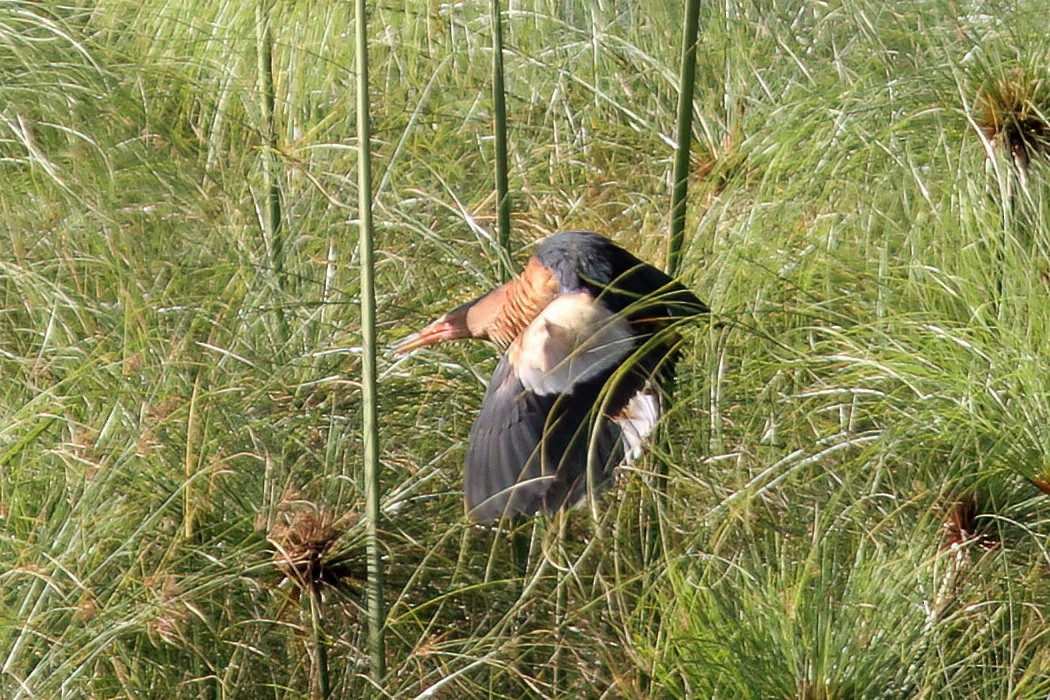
(589,342)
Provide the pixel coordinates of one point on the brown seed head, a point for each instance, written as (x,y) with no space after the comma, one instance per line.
(304,539)
(1013,111)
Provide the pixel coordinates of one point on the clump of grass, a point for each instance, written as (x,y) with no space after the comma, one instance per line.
(305,538)
(1013,110)
(168,623)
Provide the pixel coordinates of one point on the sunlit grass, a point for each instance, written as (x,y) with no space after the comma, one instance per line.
(857,433)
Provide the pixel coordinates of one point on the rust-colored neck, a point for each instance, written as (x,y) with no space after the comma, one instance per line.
(503,314)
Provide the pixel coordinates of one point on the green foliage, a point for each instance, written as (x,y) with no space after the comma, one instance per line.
(851,449)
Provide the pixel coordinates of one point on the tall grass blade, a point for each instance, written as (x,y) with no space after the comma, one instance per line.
(369,378)
(322,686)
(680,176)
(191,457)
(499,127)
(273,232)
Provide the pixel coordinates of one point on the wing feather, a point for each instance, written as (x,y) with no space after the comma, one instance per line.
(530,452)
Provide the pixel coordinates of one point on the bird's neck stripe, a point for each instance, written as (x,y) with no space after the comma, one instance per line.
(527,295)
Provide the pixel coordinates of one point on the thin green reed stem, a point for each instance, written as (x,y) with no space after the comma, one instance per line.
(499,125)
(370,427)
(271,174)
(686,81)
(680,179)
(519,536)
(321,684)
(273,231)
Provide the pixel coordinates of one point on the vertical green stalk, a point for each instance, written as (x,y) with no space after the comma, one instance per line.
(499,126)
(520,537)
(191,457)
(686,83)
(271,167)
(680,179)
(321,685)
(370,427)
(273,231)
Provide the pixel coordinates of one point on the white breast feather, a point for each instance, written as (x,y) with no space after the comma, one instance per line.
(637,420)
(571,341)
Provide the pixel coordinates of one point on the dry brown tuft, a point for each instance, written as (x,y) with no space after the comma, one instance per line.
(305,539)
(1013,113)
(965,526)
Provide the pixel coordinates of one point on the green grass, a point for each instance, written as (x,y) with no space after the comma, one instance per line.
(179,412)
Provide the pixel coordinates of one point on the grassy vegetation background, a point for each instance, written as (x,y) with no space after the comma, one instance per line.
(852,449)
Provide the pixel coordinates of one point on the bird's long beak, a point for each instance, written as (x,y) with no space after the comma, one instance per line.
(440,330)
(450,326)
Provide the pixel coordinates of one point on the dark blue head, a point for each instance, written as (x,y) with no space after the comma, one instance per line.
(585,260)
(580,259)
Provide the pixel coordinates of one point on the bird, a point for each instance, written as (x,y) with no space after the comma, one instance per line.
(589,336)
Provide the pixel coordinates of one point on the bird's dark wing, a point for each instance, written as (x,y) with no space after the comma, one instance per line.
(546,414)
(655,304)
(530,452)
(647,293)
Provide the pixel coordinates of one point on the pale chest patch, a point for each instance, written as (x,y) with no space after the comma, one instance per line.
(573,340)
